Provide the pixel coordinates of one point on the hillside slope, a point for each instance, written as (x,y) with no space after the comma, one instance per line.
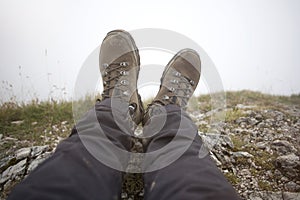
(257,146)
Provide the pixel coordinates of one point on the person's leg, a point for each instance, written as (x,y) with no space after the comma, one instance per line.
(72,172)
(88,164)
(189,176)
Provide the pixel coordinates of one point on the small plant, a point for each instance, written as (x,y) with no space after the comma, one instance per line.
(204,103)
(265,160)
(232,115)
(238,143)
(264,185)
(242,161)
(233,179)
(203,128)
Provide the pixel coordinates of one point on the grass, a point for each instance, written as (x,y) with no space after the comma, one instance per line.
(29,124)
(234,114)
(260,99)
(233,179)
(264,185)
(237,142)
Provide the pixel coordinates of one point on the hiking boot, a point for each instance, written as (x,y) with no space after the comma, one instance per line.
(119,62)
(178,82)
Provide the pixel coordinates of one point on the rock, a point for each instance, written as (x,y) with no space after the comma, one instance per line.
(7,185)
(10,139)
(255,196)
(124,195)
(241,106)
(141,194)
(277,173)
(241,119)
(34,123)
(283,147)
(292,186)
(64,122)
(254,183)
(55,128)
(265,196)
(22,153)
(210,113)
(34,164)
(19,122)
(290,160)
(290,196)
(252,121)
(226,140)
(289,164)
(284,179)
(242,154)
(14,167)
(1,136)
(245,173)
(261,145)
(218,163)
(259,117)
(242,131)
(4,176)
(13,171)
(210,140)
(5,162)
(38,150)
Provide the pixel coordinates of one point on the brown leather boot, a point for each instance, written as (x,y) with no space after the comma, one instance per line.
(119,62)
(178,82)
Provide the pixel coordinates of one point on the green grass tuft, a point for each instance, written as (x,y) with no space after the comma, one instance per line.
(30,124)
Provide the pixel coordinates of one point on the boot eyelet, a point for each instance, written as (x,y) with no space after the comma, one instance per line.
(124,73)
(174,81)
(124,64)
(192,82)
(124,82)
(178,74)
(166,97)
(172,89)
(105,65)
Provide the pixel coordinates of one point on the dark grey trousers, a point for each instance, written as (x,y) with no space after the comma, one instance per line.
(72,172)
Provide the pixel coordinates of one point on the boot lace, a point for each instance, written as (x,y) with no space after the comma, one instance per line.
(111,79)
(180,89)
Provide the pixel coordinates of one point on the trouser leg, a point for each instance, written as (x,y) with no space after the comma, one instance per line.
(73,171)
(189,177)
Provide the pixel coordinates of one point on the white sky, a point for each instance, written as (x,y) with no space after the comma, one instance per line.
(254,44)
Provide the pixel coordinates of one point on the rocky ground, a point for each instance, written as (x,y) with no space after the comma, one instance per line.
(258,150)
(257,147)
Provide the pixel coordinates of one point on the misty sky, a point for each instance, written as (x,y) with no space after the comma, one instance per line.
(254,44)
